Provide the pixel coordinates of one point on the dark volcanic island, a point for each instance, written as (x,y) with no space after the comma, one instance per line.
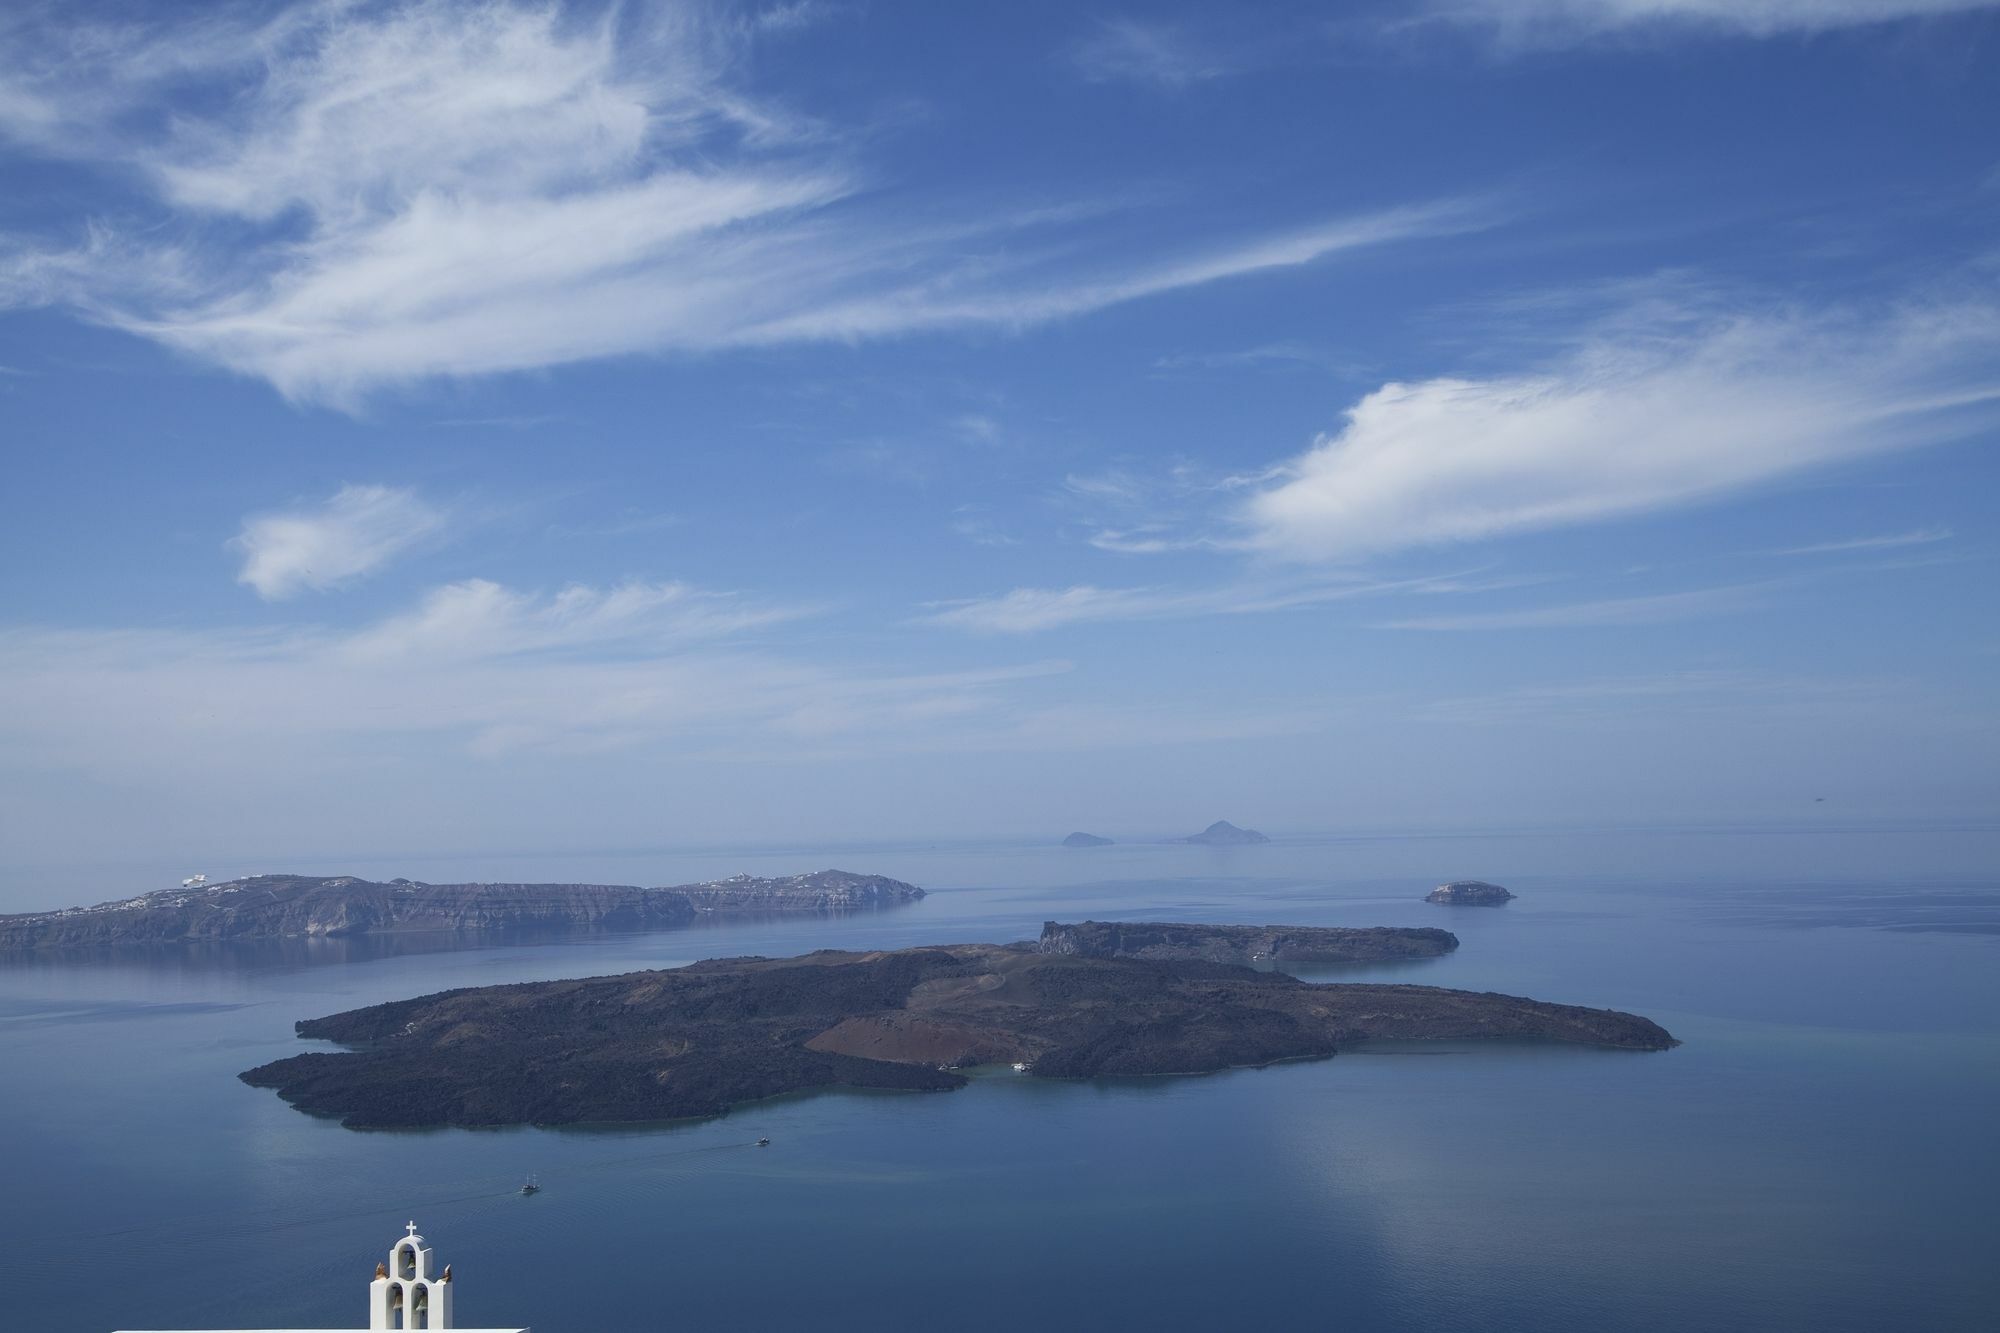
(290,906)
(695,1041)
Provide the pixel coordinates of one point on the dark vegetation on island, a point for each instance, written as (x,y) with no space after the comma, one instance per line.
(1222,833)
(292,906)
(1469,893)
(698,1040)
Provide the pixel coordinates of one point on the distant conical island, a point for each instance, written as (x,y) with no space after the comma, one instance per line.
(1085,840)
(1222,833)
(1468,893)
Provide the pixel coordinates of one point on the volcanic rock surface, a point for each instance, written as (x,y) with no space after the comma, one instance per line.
(698,1040)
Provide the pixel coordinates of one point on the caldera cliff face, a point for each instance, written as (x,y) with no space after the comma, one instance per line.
(293,906)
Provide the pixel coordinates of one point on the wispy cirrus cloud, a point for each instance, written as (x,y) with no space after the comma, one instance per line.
(1676,695)
(337,197)
(477,668)
(1884,542)
(1130,50)
(1032,610)
(1541,23)
(1152,539)
(1634,418)
(1138,510)
(355,532)
(1280,356)
(1671,396)
(1013,296)
(478,618)
(1654,609)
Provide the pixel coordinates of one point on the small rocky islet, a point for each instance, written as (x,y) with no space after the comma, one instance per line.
(1082,1001)
(1469,893)
(1085,840)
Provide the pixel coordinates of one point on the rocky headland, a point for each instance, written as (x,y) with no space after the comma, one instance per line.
(291,906)
(1085,840)
(695,1041)
(1469,893)
(1248,945)
(1222,833)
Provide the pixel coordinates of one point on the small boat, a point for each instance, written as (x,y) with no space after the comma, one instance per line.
(1020,1067)
(531,1187)
(763,1143)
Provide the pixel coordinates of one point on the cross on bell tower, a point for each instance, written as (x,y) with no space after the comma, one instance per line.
(404,1294)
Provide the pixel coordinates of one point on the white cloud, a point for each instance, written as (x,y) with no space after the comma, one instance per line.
(1557,22)
(356,532)
(1631,421)
(372,194)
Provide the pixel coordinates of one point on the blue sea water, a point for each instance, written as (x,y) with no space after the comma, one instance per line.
(1819,1154)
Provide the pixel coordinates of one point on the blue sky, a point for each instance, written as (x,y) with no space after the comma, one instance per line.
(520,428)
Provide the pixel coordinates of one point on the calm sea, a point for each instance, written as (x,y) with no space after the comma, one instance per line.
(1819,1155)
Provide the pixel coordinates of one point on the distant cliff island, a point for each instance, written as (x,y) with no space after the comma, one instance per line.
(289,906)
(1085,840)
(695,1041)
(1469,893)
(1222,833)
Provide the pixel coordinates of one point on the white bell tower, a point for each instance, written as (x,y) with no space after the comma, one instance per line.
(404,1294)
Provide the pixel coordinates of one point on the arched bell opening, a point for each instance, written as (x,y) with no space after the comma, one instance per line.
(396,1307)
(406,1261)
(420,1308)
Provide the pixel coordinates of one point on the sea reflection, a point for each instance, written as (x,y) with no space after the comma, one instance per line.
(1817,1155)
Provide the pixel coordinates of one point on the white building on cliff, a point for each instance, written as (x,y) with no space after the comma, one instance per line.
(406,1294)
